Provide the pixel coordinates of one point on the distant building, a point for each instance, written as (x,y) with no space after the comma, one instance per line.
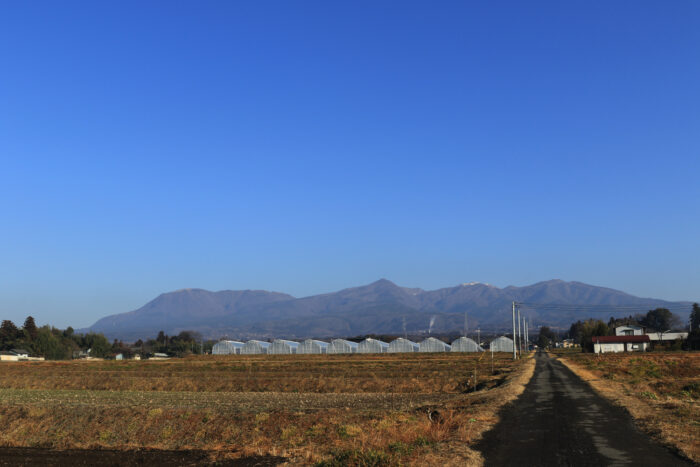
(8,357)
(21,353)
(312,346)
(667,336)
(226,347)
(630,330)
(624,343)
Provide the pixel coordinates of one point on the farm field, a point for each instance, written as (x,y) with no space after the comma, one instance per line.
(325,410)
(660,389)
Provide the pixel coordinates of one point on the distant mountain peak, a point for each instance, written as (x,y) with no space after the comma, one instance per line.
(378,307)
(471,284)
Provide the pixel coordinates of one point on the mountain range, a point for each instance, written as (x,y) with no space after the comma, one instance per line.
(381,307)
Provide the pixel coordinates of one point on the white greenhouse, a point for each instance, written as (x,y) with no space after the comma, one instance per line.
(311,346)
(402,345)
(465,344)
(255,348)
(342,346)
(227,348)
(432,344)
(370,345)
(281,346)
(501,344)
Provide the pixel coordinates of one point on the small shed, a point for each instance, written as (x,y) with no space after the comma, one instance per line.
(254,347)
(370,345)
(402,345)
(501,344)
(432,344)
(614,344)
(226,347)
(465,344)
(283,347)
(311,346)
(342,346)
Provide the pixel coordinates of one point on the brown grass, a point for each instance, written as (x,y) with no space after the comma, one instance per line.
(377,409)
(660,390)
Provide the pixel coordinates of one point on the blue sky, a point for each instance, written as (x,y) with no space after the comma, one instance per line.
(308,146)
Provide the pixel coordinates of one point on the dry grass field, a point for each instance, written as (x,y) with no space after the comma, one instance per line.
(324,410)
(661,391)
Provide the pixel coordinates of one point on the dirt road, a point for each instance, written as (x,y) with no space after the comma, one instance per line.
(560,421)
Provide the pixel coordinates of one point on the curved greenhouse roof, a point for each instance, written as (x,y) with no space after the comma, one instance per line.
(311,346)
(402,345)
(370,345)
(465,344)
(255,348)
(501,344)
(281,346)
(342,346)
(432,344)
(227,348)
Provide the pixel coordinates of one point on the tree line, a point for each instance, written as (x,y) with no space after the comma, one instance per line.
(63,344)
(657,320)
(50,342)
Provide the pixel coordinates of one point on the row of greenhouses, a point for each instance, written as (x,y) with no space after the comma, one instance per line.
(342,346)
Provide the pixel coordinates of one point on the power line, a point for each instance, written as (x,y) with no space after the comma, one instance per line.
(598,308)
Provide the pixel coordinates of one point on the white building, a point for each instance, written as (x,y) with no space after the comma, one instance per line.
(370,345)
(311,346)
(342,346)
(402,345)
(614,344)
(501,344)
(254,347)
(465,344)
(227,348)
(667,336)
(432,344)
(631,330)
(283,347)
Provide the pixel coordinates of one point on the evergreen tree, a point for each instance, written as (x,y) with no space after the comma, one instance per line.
(695,317)
(9,335)
(660,320)
(30,328)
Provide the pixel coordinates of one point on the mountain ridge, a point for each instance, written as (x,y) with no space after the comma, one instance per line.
(379,307)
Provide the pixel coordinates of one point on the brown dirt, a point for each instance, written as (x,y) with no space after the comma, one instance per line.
(410,409)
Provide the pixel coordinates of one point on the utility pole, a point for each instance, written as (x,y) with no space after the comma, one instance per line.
(465,323)
(515,356)
(478,337)
(520,337)
(527,337)
(528,334)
